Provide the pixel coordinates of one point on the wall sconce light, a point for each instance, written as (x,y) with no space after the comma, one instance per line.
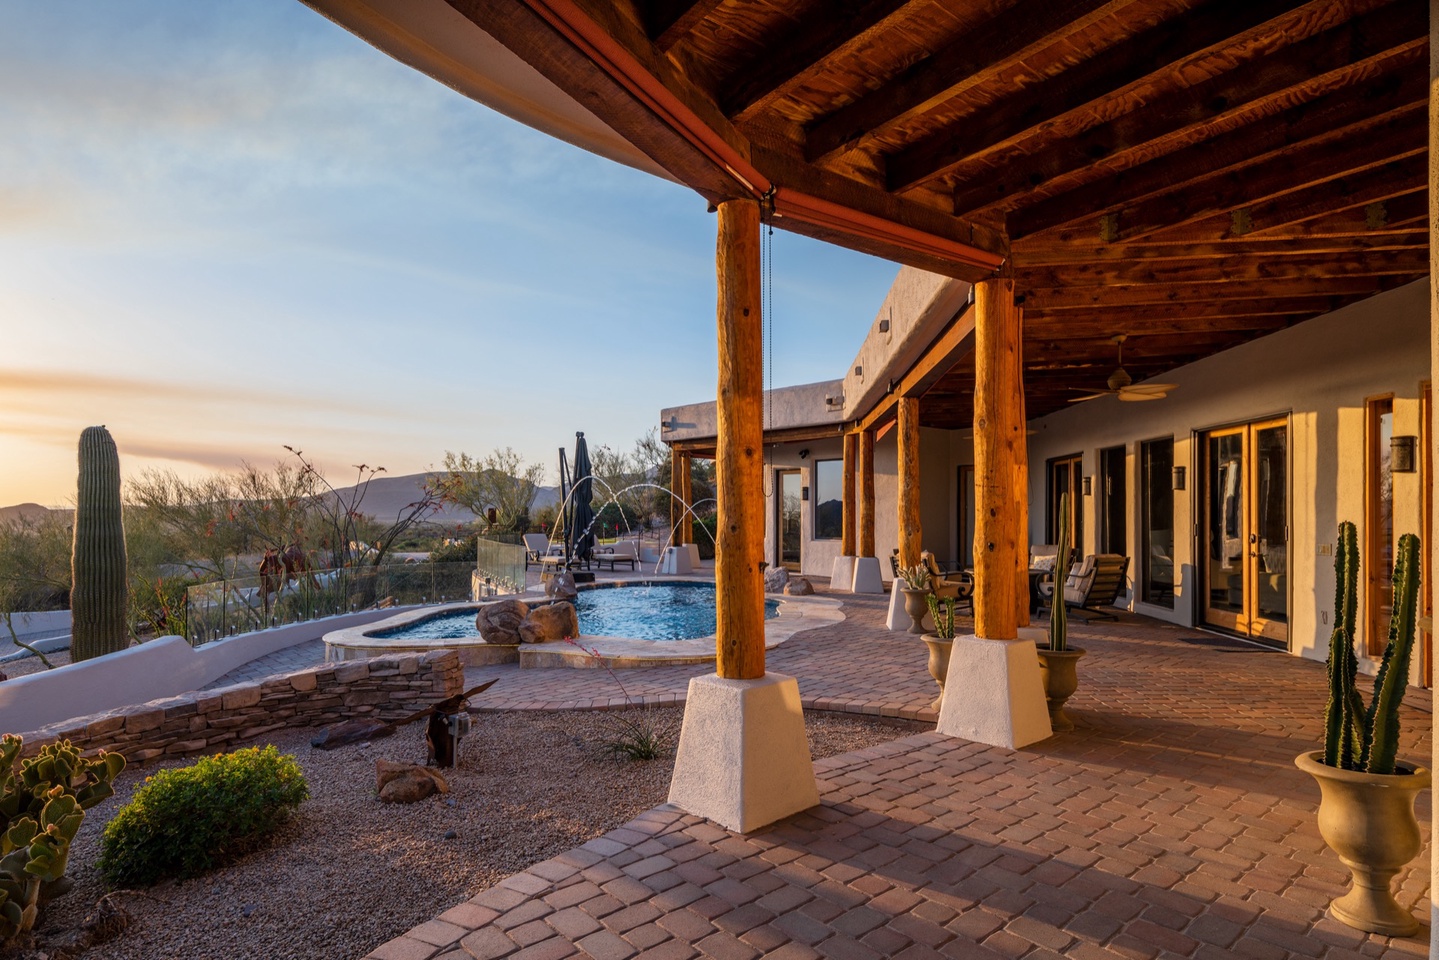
(858,370)
(804,493)
(834,401)
(1179,478)
(1401,454)
(804,454)
(1088,486)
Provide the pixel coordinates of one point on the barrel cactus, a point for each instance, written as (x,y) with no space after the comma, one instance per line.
(99,592)
(1356,737)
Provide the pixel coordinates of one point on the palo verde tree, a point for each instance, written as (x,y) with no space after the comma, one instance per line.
(500,480)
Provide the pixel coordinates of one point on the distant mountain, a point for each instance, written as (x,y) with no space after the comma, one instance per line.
(386,497)
(22,512)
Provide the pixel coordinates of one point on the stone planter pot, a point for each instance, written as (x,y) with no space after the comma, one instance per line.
(916,605)
(1057,668)
(1368,819)
(939,650)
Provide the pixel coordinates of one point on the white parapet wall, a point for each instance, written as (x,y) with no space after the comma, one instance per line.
(163,667)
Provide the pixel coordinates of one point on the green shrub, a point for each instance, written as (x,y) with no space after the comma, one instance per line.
(706,529)
(455,551)
(185,821)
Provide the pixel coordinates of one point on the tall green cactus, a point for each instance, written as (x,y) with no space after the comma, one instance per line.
(1058,612)
(99,592)
(1356,738)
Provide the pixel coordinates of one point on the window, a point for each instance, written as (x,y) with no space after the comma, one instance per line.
(1377,558)
(1065,479)
(1157,493)
(828,499)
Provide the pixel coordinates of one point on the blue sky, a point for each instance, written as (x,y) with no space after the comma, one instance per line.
(229,227)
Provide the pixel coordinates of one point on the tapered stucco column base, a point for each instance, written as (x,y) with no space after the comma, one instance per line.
(896,618)
(994,693)
(841,576)
(743,759)
(867,578)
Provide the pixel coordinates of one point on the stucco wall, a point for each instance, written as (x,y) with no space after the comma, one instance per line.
(1317,374)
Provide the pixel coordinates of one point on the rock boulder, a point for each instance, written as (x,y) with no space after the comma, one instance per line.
(798,587)
(561,585)
(407,782)
(775,579)
(554,621)
(499,622)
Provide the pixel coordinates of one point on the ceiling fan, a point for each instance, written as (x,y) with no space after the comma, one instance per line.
(1122,385)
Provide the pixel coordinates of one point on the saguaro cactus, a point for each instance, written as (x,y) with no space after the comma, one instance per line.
(99,592)
(1356,738)
(1058,612)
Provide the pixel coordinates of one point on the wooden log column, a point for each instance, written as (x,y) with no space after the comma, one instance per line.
(686,530)
(677,509)
(998,433)
(739,457)
(847,518)
(866,493)
(908,499)
(1433,541)
(1021,480)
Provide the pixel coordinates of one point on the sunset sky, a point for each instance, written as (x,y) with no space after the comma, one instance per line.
(229,227)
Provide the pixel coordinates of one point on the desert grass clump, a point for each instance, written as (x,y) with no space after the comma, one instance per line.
(188,820)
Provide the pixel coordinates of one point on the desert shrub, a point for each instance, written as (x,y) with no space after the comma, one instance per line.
(705,531)
(185,821)
(455,551)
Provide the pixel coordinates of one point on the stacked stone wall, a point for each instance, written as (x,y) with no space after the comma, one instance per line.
(383,688)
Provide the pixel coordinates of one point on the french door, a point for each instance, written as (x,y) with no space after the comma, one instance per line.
(1245,524)
(787,523)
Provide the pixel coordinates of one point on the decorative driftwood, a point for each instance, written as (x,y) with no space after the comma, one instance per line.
(359,730)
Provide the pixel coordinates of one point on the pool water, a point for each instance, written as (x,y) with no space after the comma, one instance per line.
(660,611)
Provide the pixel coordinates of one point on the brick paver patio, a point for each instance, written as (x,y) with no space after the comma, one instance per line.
(1171,823)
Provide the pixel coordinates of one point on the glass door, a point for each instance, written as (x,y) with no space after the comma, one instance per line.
(1065,477)
(790,513)
(1246,530)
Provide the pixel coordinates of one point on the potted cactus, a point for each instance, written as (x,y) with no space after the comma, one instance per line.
(916,590)
(1366,806)
(1058,661)
(941,642)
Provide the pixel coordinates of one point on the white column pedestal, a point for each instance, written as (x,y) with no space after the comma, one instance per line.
(676,561)
(841,577)
(743,759)
(693,549)
(867,577)
(993,693)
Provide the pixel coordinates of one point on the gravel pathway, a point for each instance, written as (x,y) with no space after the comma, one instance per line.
(349,872)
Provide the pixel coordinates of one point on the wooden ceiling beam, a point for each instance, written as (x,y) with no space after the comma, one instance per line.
(1369,263)
(1386,156)
(1102,298)
(1346,112)
(963,63)
(1389,218)
(1056,254)
(1140,325)
(1308,65)
(1199,311)
(1159,49)
(954,344)
(797,53)
(1373,186)
(667,22)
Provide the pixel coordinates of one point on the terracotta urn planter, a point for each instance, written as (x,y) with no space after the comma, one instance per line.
(939,650)
(1057,668)
(1368,819)
(916,605)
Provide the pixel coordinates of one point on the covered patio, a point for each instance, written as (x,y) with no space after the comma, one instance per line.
(1171,822)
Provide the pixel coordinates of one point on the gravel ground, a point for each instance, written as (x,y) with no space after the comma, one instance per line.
(349,872)
(25,666)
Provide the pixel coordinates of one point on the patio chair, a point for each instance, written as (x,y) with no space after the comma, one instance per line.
(537,547)
(1095,581)
(622,551)
(954,585)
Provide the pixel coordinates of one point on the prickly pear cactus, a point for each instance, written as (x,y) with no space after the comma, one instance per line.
(99,595)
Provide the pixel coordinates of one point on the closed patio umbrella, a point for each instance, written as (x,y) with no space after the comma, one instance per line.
(581,539)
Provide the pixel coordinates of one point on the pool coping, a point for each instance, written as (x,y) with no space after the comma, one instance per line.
(795,614)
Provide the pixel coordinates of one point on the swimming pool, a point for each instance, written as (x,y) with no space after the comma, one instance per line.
(642,611)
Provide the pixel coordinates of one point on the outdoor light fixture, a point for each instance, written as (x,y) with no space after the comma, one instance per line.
(804,493)
(1179,478)
(834,401)
(1401,454)
(804,454)
(884,326)
(1088,486)
(858,370)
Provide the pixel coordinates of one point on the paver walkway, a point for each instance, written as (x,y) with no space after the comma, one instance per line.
(1171,823)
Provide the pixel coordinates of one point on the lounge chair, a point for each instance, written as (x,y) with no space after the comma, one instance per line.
(1094,582)
(623,551)
(537,547)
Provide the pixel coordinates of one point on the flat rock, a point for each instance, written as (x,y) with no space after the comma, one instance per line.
(555,621)
(499,622)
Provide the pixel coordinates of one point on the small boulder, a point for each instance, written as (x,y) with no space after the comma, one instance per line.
(499,622)
(775,580)
(407,782)
(555,621)
(561,585)
(798,587)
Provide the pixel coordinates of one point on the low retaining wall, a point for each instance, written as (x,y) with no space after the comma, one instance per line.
(214,719)
(160,668)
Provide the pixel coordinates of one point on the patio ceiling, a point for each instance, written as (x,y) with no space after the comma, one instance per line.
(1192,174)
